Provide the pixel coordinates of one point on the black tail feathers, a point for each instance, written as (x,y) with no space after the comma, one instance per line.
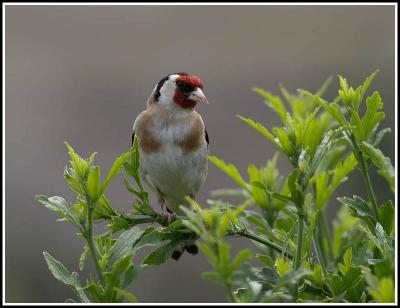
(191,248)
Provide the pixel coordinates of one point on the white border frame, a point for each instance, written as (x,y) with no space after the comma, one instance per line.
(5,4)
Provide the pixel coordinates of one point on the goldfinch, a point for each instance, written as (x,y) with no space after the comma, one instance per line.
(173,142)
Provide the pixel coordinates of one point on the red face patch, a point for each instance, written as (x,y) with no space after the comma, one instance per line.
(185,85)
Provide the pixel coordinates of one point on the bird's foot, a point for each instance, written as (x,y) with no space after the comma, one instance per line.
(168,217)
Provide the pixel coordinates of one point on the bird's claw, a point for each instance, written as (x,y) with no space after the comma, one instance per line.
(169,217)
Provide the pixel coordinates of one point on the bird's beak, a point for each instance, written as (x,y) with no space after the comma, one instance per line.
(198,96)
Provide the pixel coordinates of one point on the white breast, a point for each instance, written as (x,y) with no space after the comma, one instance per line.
(175,173)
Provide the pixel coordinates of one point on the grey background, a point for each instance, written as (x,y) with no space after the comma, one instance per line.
(83,73)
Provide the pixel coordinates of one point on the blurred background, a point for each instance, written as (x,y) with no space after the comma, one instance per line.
(83,73)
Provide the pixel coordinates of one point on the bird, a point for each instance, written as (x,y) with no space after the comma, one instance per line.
(173,144)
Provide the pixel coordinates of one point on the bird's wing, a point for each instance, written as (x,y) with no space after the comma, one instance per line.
(207,139)
(134,126)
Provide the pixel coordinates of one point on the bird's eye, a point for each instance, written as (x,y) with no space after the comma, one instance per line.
(184,86)
(180,85)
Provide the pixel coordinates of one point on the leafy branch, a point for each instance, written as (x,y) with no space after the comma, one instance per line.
(302,258)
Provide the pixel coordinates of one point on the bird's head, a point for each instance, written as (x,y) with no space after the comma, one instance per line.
(179,90)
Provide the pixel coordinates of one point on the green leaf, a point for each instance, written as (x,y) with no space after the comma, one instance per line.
(367,83)
(79,165)
(359,208)
(341,225)
(323,190)
(128,295)
(318,275)
(344,87)
(285,144)
(356,125)
(321,91)
(333,283)
(150,237)
(114,170)
(379,136)
(93,289)
(384,291)
(103,209)
(223,224)
(297,195)
(60,206)
(383,163)
(266,260)
(83,257)
(273,102)
(211,255)
(213,277)
(124,245)
(332,108)
(261,129)
(356,294)
(358,204)
(230,170)
(325,145)
(347,258)
(340,285)
(291,278)
(93,184)
(352,278)
(132,166)
(350,97)
(268,277)
(286,224)
(372,116)
(112,277)
(241,257)
(383,267)
(386,216)
(118,223)
(61,273)
(160,254)
(282,267)
(224,253)
(342,169)
(131,274)
(298,104)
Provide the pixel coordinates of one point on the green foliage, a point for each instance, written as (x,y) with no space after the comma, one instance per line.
(385,167)
(112,257)
(324,142)
(382,291)
(61,273)
(301,258)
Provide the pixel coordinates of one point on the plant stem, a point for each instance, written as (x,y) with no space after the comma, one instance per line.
(133,221)
(324,227)
(320,255)
(322,242)
(230,293)
(360,157)
(299,241)
(261,240)
(368,184)
(89,239)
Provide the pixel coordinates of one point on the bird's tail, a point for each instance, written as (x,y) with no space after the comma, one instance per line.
(190,248)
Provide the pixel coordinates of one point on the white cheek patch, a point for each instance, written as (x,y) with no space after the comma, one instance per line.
(173,77)
(167,92)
